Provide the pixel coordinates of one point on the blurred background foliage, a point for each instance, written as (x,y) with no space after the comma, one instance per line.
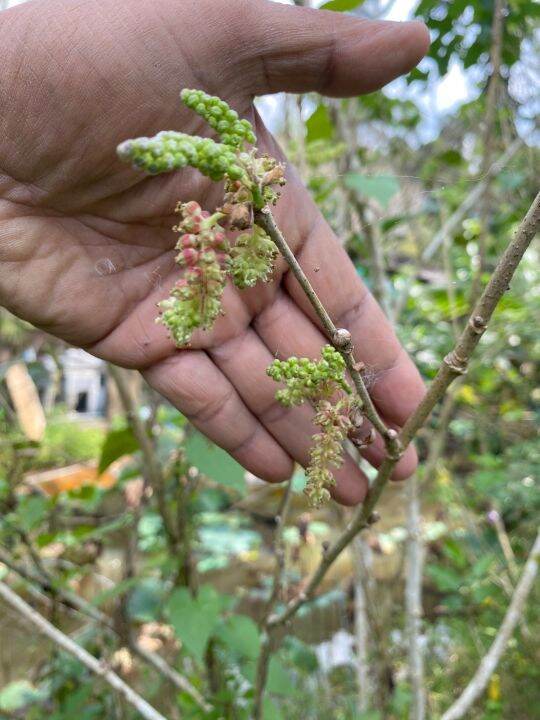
(181,563)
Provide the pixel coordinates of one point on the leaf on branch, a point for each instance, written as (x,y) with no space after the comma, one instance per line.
(214,462)
(116,444)
(195,619)
(381,188)
(319,125)
(240,634)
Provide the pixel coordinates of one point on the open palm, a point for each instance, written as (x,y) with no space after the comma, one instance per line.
(86,243)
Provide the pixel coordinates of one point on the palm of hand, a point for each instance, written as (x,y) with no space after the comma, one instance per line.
(86,243)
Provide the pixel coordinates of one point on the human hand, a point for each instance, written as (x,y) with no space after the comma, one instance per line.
(86,243)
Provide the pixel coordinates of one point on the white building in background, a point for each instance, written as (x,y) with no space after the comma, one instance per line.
(84,382)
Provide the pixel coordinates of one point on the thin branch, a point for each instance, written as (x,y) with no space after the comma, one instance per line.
(95,666)
(491,659)
(488,135)
(340,338)
(151,468)
(261,673)
(413,601)
(361,627)
(72,601)
(453,366)
(456,362)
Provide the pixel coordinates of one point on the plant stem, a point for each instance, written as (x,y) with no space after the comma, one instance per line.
(72,601)
(413,598)
(151,468)
(95,666)
(261,673)
(264,219)
(491,659)
(361,627)
(488,134)
(454,365)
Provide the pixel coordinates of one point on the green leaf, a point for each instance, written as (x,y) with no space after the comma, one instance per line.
(195,619)
(381,188)
(319,125)
(341,5)
(214,462)
(117,443)
(241,635)
(17,694)
(445,579)
(280,681)
(270,710)
(31,511)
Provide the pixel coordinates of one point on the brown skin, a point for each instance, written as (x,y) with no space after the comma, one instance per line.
(86,243)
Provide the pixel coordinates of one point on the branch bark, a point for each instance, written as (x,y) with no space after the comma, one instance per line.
(413,602)
(261,673)
(95,666)
(339,337)
(73,601)
(151,468)
(453,366)
(489,662)
(488,136)
(361,627)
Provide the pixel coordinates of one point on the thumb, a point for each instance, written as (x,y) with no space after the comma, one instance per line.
(297,49)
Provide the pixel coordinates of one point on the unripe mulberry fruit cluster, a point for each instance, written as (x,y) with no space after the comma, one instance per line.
(224,120)
(170,150)
(309,379)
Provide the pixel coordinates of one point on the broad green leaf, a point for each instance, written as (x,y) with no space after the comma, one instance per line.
(117,443)
(341,5)
(214,462)
(195,619)
(381,188)
(319,125)
(241,635)
(280,681)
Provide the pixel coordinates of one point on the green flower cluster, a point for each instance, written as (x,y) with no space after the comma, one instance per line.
(327,449)
(318,382)
(223,119)
(307,379)
(204,253)
(206,256)
(195,300)
(170,150)
(252,258)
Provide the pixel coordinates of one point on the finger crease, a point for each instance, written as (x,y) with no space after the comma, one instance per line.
(211,410)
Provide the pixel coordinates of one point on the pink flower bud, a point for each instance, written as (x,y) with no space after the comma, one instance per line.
(190,256)
(188,240)
(205,213)
(191,208)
